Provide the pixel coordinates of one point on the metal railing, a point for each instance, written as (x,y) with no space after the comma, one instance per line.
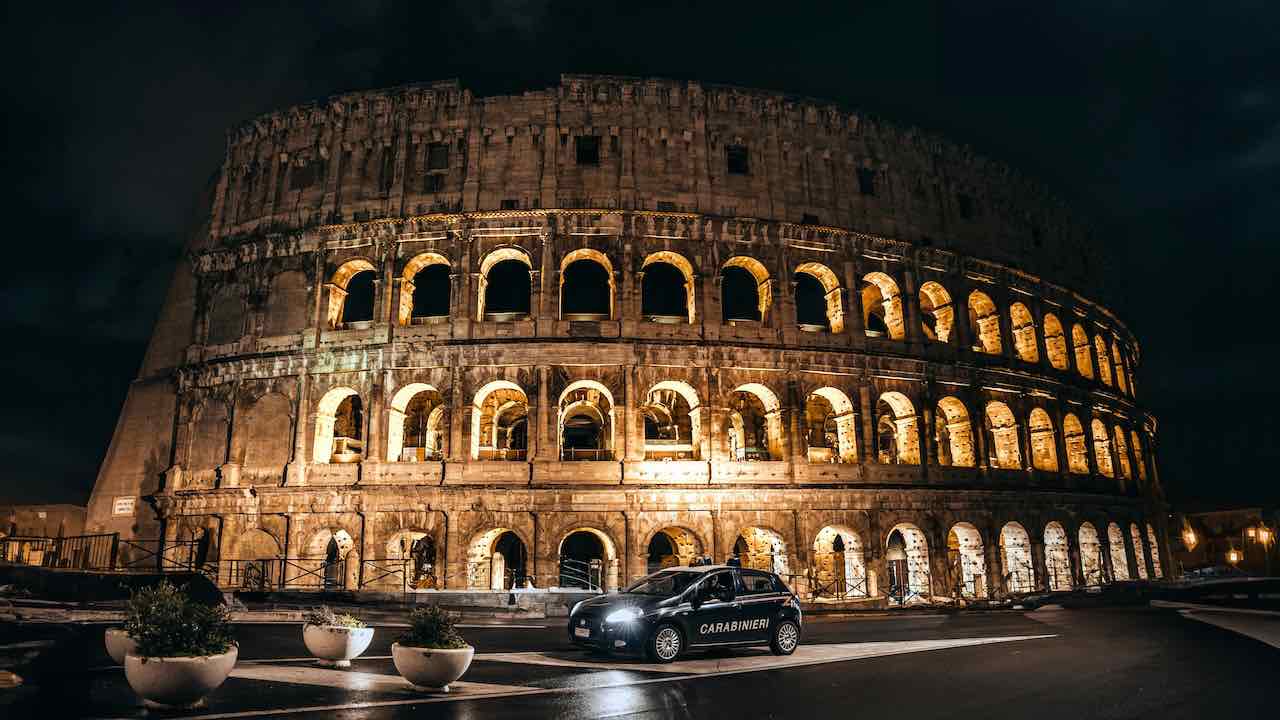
(587,574)
(502,454)
(570,454)
(838,588)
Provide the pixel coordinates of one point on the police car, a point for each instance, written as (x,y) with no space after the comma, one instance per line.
(681,608)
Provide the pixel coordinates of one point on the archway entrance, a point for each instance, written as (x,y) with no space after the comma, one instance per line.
(582,561)
(762,549)
(1015,551)
(497,560)
(671,546)
(1057,561)
(1119,559)
(907,556)
(838,568)
(330,560)
(1090,555)
(965,558)
(412,562)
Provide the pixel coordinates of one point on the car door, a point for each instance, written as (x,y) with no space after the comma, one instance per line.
(761,604)
(715,621)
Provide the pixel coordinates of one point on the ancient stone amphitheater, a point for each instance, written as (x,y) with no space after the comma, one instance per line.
(431,341)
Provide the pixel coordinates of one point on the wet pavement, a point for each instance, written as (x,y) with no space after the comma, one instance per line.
(1126,663)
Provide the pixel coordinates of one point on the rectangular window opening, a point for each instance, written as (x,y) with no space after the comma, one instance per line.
(867,181)
(737,159)
(588,149)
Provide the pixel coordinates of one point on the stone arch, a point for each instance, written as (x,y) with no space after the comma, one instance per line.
(1154,546)
(1077,445)
(762,548)
(1104,363)
(208,446)
(289,307)
(953,432)
(255,544)
(1120,447)
(831,293)
(330,559)
(1055,342)
(1139,458)
(339,427)
(1139,556)
(938,315)
(1119,558)
(1057,557)
(569,289)
(420,289)
(759,413)
(652,291)
(671,546)
(839,569)
(576,558)
(907,559)
(1090,547)
(1084,355)
(1044,447)
(897,430)
(1024,333)
(831,424)
(1117,360)
(967,561)
(263,435)
(499,416)
(763,286)
(882,301)
(1102,449)
(592,438)
(226,316)
(413,416)
(498,559)
(491,306)
(673,421)
(340,291)
(419,556)
(1015,558)
(1003,449)
(984,324)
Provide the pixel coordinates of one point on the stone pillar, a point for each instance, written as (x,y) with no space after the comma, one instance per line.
(867,450)
(911,308)
(853,320)
(633,421)
(458,448)
(1038,564)
(546,445)
(996,585)
(296,471)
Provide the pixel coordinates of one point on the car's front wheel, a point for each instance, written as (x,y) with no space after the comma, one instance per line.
(786,636)
(665,644)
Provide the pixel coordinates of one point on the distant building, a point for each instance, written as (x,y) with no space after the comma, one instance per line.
(1243,538)
(41,520)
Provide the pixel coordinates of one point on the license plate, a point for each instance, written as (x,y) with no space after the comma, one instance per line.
(582,632)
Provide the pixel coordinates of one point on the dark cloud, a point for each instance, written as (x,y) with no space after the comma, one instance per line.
(1158,120)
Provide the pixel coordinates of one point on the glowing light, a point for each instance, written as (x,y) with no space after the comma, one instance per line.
(1233,556)
(1189,537)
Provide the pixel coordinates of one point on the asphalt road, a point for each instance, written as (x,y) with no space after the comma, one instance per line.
(1099,663)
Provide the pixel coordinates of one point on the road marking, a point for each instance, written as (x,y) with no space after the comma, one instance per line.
(514,690)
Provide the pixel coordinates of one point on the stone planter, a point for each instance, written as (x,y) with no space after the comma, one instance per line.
(334,645)
(119,644)
(178,682)
(431,668)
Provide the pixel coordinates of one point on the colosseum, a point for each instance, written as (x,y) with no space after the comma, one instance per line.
(428,341)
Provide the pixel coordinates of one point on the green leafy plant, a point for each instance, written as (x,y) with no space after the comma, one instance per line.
(431,627)
(166,623)
(324,615)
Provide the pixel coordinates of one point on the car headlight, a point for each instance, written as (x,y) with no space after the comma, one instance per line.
(623,616)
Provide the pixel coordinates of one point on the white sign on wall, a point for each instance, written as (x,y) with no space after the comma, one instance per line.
(123,505)
(42,514)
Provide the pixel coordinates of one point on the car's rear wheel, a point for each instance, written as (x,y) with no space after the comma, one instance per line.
(665,644)
(786,636)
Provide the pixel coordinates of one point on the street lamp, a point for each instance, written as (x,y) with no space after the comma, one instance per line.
(1233,556)
(1189,538)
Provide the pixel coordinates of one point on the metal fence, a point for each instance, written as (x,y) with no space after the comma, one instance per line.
(587,574)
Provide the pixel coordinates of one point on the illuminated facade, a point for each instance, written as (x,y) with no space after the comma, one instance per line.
(587,331)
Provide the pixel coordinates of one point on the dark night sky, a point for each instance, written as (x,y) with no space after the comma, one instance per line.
(1161,124)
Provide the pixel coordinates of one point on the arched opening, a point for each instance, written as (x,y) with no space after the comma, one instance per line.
(586,422)
(351,291)
(416,427)
(666,288)
(500,422)
(937,315)
(424,290)
(1119,559)
(1002,437)
(1057,559)
(226,316)
(1077,446)
(1117,359)
(745,290)
(331,562)
(1091,563)
(505,285)
(584,560)
(263,436)
(818,302)
(907,562)
(415,552)
(1044,449)
(1155,552)
(1084,360)
(897,430)
(1139,557)
(966,561)
(1015,556)
(498,559)
(882,306)
(289,304)
(254,563)
(1101,449)
(1104,363)
(1121,447)
(1055,342)
(838,568)
(672,429)
(953,433)
(830,426)
(1024,333)
(755,423)
(1139,460)
(984,324)
(762,549)
(672,546)
(586,286)
(339,435)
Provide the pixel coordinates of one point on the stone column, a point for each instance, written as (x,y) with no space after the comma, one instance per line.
(867,449)
(995,573)
(296,470)
(546,445)
(633,450)
(911,308)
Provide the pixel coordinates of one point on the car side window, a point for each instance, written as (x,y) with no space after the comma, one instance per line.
(717,582)
(756,583)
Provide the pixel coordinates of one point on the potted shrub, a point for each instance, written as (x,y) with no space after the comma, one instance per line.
(431,654)
(335,638)
(185,649)
(119,644)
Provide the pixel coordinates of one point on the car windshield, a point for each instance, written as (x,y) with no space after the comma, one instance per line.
(665,583)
